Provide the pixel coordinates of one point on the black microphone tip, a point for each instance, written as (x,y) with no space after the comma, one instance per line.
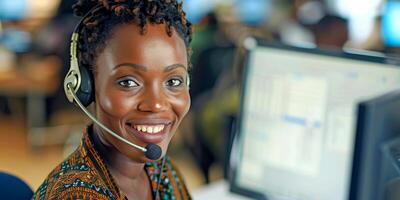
(153,151)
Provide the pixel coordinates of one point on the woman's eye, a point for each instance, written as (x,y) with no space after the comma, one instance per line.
(128,83)
(175,82)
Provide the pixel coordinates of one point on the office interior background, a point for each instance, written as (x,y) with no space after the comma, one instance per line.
(39,128)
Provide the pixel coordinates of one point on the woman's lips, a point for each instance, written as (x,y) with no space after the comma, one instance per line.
(149,133)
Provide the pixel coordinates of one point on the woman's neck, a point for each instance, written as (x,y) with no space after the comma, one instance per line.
(119,165)
(130,176)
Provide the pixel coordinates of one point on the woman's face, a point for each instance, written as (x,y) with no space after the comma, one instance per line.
(141,87)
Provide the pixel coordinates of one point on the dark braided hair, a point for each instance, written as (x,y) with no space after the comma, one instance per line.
(105,15)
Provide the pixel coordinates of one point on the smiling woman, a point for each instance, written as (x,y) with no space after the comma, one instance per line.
(136,52)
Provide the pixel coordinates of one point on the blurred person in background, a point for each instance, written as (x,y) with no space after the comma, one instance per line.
(213,49)
(208,37)
(216,80)
(212,55)
(137,53)
(331,32)
(292,30)
(311,25)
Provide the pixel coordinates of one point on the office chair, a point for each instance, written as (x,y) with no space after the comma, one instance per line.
(12,187)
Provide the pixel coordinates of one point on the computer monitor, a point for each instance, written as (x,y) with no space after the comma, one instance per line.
(376,172)
(297,123)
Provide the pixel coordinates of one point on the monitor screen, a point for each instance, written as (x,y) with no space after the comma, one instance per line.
(297,121)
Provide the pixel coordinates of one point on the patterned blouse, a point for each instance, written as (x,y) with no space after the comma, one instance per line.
(84,175)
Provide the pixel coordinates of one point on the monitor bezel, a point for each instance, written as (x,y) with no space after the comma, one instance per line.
(368,56)
(370,111)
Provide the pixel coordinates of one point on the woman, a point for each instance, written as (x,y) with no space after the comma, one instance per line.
(137,51)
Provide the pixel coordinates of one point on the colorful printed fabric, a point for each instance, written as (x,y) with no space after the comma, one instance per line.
(84,175)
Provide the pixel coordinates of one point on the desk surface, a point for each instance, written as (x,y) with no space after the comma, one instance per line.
(15,82)
(38,76)
(216,190)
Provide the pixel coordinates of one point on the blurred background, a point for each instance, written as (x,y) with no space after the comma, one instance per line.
(39,128)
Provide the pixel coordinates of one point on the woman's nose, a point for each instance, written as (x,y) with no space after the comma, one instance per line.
(153,100)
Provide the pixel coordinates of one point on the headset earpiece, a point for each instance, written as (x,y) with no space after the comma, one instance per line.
(85,92)
(78,80)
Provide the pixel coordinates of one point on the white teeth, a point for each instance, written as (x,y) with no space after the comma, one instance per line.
(149,129)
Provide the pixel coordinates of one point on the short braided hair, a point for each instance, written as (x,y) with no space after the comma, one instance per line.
(105,15)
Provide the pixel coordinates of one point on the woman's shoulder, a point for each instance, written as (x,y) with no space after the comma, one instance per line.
(74,178)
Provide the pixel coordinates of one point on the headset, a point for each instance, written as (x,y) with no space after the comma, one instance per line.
(79,89)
